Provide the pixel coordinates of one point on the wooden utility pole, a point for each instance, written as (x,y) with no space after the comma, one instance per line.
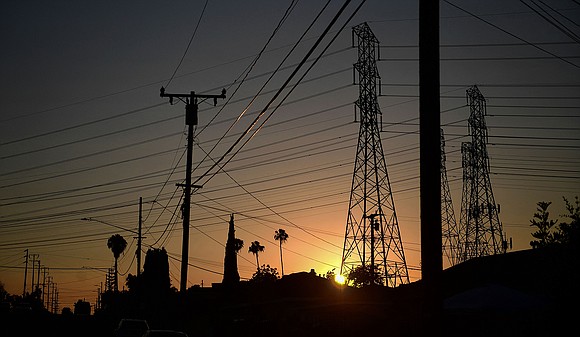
(48,293)
(44,285)
(139,237)
(25,273)
(38,274)
(191,108)
(430,176)
(34,256)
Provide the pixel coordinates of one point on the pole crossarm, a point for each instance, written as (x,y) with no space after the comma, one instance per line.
(192,95)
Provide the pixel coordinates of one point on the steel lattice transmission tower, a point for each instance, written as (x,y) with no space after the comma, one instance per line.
(372,231)
(451,244)
(481,231)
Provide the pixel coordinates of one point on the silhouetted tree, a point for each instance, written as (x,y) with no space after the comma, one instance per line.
(3,293)
(266,274)
(156,271)
(281,236)
(117,245)
(544,234)
(570,231)
(155,275)
(255,249)
(233,246)
(363,275)
(152,288)
(330,275)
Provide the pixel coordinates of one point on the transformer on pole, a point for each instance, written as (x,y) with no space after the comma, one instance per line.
(372,237)
(450,229)
(480,229)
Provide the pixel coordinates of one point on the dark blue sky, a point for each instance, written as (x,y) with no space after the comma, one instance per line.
(84,133)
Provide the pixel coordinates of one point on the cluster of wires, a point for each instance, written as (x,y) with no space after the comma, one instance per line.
(278,168)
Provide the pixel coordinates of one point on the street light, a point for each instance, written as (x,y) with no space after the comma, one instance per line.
(110,224)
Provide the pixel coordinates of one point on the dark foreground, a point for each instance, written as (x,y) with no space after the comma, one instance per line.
(527,293)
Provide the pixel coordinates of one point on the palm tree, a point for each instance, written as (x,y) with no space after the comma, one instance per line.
(281,236)
(238,245)
(255,249)
(117,244)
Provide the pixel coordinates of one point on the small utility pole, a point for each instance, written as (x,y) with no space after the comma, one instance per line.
(139,237)
(43,284)
(38,275)
(48,293)
(25,273)
(34,256)
(191,107)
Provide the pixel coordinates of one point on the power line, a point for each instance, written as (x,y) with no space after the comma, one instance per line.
(282,87)
(267,81)
(512,35)
(552,20)
(188,44)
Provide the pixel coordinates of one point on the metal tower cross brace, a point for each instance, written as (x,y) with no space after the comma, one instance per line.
(372,237)
(450,229)
(480,229)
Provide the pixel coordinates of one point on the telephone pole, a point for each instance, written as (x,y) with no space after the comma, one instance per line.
(25,273)
(44,269)
(191,108)
(34,257)
(139,237)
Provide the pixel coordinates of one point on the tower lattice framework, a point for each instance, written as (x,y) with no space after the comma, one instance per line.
(450,230)
(372,237)
(481,231)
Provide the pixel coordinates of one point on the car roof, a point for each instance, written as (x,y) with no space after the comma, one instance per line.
(133,322)
(165,333)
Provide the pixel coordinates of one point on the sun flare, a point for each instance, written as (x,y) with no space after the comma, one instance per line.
(339,279)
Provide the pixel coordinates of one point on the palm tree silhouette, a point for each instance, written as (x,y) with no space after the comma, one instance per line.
(281,236)
(238,245)
(117,244)
(256,248)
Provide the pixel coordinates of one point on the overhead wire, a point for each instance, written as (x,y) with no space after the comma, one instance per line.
(552,20)
(273,73)
(244,75)
(230,170)
(312,49)
(511,34)
(188,44)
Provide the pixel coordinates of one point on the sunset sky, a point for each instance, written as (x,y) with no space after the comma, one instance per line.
(85,134)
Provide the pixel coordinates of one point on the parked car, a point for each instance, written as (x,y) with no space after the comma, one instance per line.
(164,333)
(131,327)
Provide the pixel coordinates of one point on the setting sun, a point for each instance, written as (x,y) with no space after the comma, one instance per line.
(339,279)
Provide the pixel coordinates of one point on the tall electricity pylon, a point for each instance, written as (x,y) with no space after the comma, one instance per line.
(372,238)
(481,231)
(450,230)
